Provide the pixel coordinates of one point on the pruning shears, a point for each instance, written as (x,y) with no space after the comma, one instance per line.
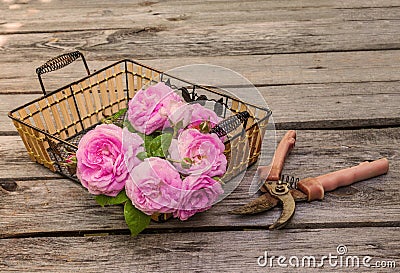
(285,192)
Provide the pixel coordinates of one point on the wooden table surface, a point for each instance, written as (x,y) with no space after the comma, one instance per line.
(329,69)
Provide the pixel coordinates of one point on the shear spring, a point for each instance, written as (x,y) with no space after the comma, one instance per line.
(290,180)
(230,124)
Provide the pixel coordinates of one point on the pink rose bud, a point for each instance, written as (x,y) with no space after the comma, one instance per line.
(71,159)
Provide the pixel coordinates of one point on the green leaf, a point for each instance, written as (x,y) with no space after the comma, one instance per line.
(120,113)
(158,153)
(166,141)
(136,220)
(113,118)
(177,127)
(179,124)
(128,125)
(159,145)
(142,155)
(104,200)
(155,144)
(147,141)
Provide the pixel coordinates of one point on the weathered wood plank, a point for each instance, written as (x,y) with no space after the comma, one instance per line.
(198,6)
(105,15)
(145,42)
(9,102)
(14,161)
(18,76)
(333,105)
(196,29)
(313,90)
(203,251)
(195,14)
(45,206)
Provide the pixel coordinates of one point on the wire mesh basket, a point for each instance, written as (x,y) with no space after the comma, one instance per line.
(51,126)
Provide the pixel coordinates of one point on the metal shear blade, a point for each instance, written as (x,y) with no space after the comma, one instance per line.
(260,204)
(278,192)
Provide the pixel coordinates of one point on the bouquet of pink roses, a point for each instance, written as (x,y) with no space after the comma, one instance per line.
(161,159)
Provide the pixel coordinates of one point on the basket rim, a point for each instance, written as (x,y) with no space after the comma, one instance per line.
(269,112)
(125,61)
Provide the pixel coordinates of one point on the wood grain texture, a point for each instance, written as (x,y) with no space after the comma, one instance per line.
(261,70)
(171,28)
(334,105)
(14,161)
(38,206)
(8,103)
(199,252)
(305,106)
(318,64)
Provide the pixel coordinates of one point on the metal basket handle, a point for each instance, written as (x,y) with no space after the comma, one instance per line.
(58,63)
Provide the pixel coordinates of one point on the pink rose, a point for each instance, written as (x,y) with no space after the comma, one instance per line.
(201,153)
(200,192)
(201,114)
(101,167)
(148,110)
(178,112)
(132,144)
(155,186)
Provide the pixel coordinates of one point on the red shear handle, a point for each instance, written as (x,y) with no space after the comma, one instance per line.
(285,146)
(315,187)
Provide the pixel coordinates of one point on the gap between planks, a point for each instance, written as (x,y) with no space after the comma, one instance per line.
(195,252)
(368,67)
(211,229)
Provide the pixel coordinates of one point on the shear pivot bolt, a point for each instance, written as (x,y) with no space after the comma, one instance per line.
(280,188)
